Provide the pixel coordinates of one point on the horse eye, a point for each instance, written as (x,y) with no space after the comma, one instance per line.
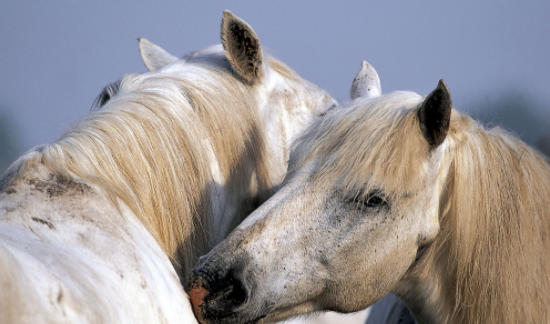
(108,92)
(106,96)
(372,200)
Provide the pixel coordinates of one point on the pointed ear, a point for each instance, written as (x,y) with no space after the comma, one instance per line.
(435,115)
(242,48)
(366,84)
(153,56)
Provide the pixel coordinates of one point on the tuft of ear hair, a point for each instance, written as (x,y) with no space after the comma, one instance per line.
(242,48)
(435,115)
(153,56)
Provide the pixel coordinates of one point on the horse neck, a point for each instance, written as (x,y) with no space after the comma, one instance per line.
(242,152)
(489,263)
(240,192)
(184,162)
(278,115)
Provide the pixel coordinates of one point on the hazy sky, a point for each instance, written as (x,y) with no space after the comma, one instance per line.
(57,55)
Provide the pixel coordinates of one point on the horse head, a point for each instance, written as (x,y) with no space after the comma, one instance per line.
(359,203)
(254,104)
(277,86)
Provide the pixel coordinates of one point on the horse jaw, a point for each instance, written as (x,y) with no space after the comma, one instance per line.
(153,56)
(366,84)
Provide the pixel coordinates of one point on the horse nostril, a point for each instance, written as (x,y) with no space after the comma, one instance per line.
(228,297)
(213,296)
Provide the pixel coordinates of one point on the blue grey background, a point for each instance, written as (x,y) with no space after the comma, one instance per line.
(494,55)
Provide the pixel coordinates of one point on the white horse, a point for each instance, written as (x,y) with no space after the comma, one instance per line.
(396,193)
(93,225)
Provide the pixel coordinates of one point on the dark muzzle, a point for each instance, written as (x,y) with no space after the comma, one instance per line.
(216,292)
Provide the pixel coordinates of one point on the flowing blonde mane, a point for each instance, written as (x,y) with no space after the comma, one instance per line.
(151,145)
(489,263)
(492,251)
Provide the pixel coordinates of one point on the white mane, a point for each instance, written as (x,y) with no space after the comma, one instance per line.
(165,165)
(152,146)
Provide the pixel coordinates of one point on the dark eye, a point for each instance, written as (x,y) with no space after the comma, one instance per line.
(372,200)
(108,92)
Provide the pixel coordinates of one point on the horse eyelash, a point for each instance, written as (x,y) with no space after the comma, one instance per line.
(374,199)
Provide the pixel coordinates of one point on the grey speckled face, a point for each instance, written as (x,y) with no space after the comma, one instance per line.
(302,251)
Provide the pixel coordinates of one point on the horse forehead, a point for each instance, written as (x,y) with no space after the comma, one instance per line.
(213,55)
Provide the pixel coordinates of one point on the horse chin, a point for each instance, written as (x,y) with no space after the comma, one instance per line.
(289,312)
(233,320)
(255,317)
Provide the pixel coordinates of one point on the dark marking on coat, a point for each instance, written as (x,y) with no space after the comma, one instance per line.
(10,191)
(60,296)
(58,186)
(324,260)
(45,222)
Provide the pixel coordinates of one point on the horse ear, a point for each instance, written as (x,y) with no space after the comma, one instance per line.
(242,48)
(153,56)
(435,115)
(366,83)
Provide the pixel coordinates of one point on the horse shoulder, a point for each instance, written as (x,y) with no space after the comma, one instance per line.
(77,258)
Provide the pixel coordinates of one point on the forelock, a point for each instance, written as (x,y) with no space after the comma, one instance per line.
(372,144)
